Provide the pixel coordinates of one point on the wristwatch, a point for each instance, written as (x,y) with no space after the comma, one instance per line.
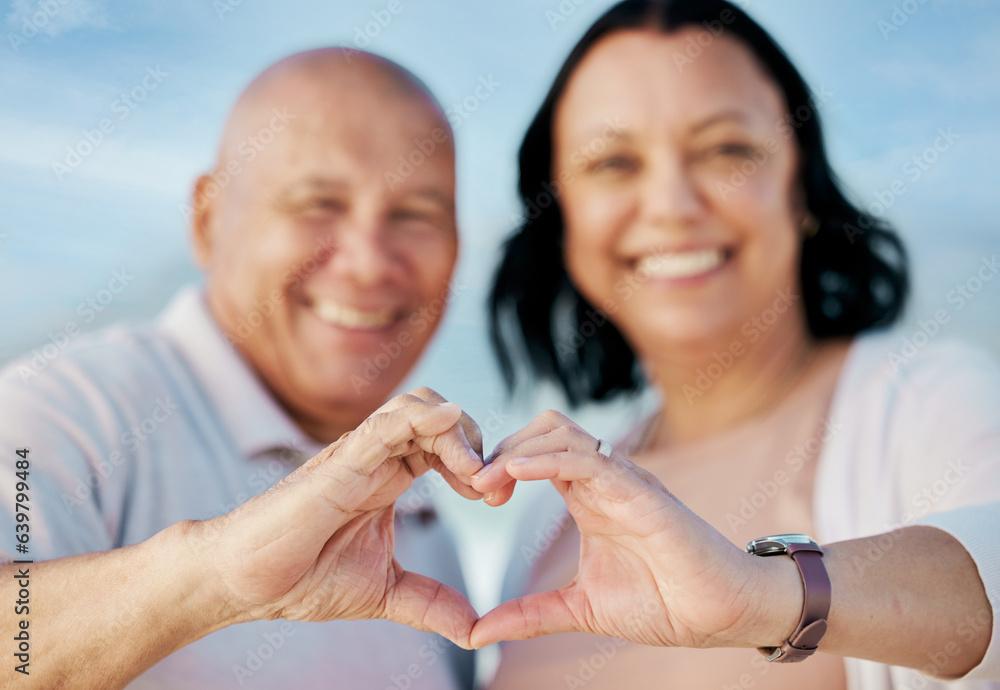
(808,555)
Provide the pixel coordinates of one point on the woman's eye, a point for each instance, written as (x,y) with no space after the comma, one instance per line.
(613,164)
(732,150)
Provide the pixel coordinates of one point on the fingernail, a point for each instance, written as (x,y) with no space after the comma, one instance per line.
(483,472)
(518,461)
(489,497)
(448,404)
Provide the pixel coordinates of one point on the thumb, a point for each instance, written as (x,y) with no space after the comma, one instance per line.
(530,616)
(426,604)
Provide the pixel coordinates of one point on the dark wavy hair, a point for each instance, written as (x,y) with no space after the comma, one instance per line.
(853,269)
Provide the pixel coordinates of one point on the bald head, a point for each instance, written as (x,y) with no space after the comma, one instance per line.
(341,67)
(313,82)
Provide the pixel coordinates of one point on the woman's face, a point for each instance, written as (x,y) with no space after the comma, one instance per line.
(678,189)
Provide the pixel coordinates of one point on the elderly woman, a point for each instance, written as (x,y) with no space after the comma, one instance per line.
(684,229)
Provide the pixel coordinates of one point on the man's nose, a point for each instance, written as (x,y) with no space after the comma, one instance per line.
(363,254)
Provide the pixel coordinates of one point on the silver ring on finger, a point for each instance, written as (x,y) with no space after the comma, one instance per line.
(604,448)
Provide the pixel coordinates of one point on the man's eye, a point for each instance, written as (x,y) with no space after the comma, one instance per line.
(414,219)
(320,207)
(409,217)
(420,223)
(329,204)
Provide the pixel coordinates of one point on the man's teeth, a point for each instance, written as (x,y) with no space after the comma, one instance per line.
(345,317)
(680,264)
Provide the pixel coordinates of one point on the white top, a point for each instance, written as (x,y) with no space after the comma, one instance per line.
(133,430)
(908,438)
(917,436)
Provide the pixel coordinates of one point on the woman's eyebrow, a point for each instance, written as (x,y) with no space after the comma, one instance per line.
(607,131)
(737,116)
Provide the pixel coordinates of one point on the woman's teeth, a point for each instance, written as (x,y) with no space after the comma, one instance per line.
(346,317)
(680,264)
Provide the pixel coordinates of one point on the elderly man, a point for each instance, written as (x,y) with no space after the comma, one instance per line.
(139,445)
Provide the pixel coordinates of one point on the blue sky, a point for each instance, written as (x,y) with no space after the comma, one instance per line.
(898,73)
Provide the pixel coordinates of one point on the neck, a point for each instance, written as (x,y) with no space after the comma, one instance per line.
(323,424)
(710,387)
(324,430)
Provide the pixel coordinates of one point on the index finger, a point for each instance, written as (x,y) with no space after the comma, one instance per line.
(544,423)
(454,451)
(494,478)
(388,434)
(472,432)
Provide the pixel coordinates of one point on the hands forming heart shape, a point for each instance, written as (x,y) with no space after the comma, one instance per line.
(319,545)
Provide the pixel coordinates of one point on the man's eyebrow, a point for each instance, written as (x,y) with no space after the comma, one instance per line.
(313,185)
(435,196)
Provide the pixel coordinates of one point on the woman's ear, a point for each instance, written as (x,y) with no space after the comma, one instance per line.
(806,222)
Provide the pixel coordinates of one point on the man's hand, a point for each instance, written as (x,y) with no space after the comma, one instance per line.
(318,546)
(473,437)
(651,571)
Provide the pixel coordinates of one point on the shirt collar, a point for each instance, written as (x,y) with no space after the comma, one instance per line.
(256,421)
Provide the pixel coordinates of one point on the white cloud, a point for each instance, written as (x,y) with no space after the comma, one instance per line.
(54,17)
(962,80)
(137,160)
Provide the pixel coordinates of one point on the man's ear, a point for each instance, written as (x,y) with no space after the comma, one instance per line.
(203,221)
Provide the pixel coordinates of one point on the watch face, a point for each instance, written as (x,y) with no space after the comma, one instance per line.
(776,544)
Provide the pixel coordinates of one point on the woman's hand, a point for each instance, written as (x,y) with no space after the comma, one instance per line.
(651,571)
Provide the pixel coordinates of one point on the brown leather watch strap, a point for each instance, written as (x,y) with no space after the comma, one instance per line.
(815,608)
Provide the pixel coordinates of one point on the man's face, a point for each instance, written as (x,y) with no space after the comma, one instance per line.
(326,267)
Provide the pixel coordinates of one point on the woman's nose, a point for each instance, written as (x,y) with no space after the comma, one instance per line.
(670,194)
